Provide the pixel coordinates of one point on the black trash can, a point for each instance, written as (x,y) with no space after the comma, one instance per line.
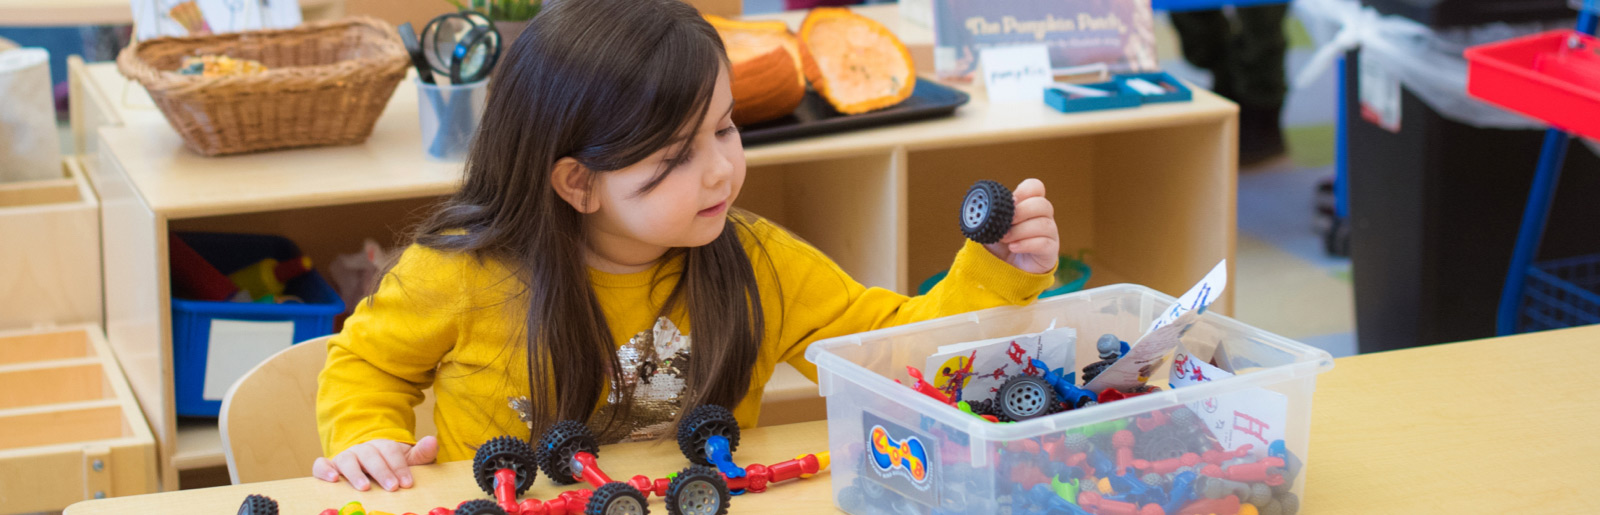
(1434,212)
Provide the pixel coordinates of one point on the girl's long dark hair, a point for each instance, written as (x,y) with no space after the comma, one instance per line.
(607,83)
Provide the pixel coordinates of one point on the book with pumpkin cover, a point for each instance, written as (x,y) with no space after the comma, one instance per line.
(1118,33)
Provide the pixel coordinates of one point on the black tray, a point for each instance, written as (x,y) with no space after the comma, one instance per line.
(816,117)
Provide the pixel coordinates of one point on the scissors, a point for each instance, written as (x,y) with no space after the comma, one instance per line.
(463,46)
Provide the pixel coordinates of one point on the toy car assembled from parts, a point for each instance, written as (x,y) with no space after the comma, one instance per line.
(710,434)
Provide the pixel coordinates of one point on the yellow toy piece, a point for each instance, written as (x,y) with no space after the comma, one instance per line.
(353,508)
(822,463)
(1248,509)
(1104,485)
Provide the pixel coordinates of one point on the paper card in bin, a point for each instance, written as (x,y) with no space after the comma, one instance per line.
(1254,417)
(902,460)
(976,370)
(1150,352)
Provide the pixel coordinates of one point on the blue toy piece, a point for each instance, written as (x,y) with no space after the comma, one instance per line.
(1130,488)
(1042,499)
(1102,465)
(1066,391)
(720,453)
(1291,463)
(1182,491)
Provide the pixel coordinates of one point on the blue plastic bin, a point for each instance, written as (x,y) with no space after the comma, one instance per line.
(1181,92)
(191,319)
(1119,98)
(1562,293)
(1206,5)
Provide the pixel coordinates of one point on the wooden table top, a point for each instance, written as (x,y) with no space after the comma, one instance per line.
(1491,426)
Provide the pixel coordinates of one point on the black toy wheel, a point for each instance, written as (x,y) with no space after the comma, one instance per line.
(559,444)
(986,212)
(479,507)
(698,490)
(505,452)
(258,505)
(617,499)
(703,423)
(1024,397)
(1163,443)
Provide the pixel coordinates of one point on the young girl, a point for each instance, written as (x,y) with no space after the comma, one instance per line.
(590,267)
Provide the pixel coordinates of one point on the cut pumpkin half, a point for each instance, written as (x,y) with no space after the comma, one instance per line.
(860,65)
(766,66)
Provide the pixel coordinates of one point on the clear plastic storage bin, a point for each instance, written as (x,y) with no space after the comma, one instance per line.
(897,451)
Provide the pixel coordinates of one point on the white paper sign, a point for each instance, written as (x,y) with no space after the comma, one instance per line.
(1199,296)
(1016,74)
(236,346)
(1253,417)
(976,370)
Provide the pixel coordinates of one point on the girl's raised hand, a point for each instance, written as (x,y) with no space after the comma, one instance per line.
(386,462)
(1033,244)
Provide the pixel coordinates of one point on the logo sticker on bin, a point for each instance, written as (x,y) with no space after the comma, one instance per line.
(899,459)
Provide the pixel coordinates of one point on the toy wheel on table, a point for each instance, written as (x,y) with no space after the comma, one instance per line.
(986,212)
(258,505)
(704,422)
(557,447)
(479,507)
(1024,397)
(617,499)
(505,452)
(698,490)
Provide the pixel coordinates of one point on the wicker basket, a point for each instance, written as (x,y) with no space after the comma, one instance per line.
(325,84)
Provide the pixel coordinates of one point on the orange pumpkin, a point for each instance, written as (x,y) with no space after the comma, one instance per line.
(860,65)
(765,67)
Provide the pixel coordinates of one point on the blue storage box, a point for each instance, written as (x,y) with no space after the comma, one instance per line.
(1066,103)
(193,320)
(1176,91)
(1207,5)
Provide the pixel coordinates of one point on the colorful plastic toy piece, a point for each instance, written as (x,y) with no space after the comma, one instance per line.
(1043,499)
(1065,390)
(1103,506)
(1024,397)
(1268,470)
(1111,349)
(258,505)
(1225,506)
(986,212)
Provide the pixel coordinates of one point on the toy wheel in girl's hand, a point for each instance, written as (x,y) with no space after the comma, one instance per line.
(986,212)
(479,507)
(617,499)
(1024,397)
(698,490)
(505,452)
(258,505)
(702,423)
(557,447)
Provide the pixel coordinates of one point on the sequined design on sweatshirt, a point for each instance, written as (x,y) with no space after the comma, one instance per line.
(654,364)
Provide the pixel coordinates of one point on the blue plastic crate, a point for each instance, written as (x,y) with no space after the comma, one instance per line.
(1562,293)
(1206,5)
(1119,98)
(1179,92)
(191,319)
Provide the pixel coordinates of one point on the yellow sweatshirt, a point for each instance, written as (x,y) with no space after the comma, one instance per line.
(453,323)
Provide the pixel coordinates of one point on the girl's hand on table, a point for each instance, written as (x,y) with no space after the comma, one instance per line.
(1033,244)
(386,462)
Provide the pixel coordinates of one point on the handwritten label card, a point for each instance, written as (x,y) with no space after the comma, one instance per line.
(1016,74)
(1254,416)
